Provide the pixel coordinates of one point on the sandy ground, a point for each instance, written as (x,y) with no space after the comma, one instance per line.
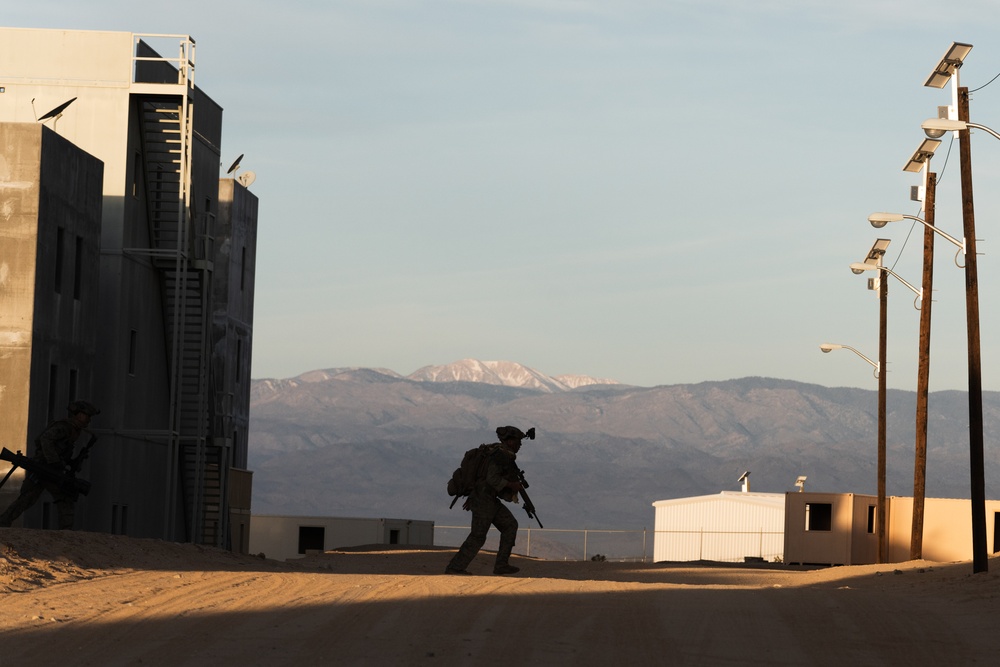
(74,598)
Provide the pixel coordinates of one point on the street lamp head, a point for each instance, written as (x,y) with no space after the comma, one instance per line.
(829,347)
(938,127)
(860,267)
(880,220)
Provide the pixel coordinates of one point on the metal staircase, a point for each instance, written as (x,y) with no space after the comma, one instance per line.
(180,248)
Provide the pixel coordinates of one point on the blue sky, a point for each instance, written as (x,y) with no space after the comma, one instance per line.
(654,192)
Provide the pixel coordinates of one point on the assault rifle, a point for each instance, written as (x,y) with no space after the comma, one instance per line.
(82,456)
(529,507)
(67,481)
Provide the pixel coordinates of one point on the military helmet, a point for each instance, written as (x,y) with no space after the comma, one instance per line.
(506,433)
(83,406)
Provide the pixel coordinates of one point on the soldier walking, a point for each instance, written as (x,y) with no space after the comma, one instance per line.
(53,448)
(499,483)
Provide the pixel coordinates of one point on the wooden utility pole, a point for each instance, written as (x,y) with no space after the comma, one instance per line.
(980,558)
(923,374)
(882,368)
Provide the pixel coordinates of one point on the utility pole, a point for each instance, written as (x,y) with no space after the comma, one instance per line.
(980,560)
(883,367)
(923,373)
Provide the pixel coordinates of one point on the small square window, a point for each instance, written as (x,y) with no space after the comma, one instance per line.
(819,517)
(311,538)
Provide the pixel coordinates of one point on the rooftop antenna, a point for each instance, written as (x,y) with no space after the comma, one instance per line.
(235,165)
(801,482)
(246,178)
(54,114)
(745,478)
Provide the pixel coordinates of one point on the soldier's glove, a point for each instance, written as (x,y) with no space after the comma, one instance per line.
(467,506)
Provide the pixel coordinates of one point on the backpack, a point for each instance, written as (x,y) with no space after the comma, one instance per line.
(473,467)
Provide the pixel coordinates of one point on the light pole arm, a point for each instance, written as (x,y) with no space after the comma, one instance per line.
(918,292)
(828,347)
(984,129)
(952,239)
(859,267)
(874,364)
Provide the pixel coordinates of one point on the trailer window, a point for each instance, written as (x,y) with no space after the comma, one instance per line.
(819,516)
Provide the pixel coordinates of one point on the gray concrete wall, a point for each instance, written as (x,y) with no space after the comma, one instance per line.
(50,212)
(235,266)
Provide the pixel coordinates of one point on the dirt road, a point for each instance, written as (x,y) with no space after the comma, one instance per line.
(90,599)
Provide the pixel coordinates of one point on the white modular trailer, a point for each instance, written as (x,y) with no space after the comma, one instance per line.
(285,537)
(730,527)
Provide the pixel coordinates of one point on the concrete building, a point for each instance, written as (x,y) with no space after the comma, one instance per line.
(285,537)
(170,361)
(50,225)
(729,526)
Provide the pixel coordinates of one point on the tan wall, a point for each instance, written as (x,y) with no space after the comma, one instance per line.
(864,545)
(847,541)
(947,529)
(20,155)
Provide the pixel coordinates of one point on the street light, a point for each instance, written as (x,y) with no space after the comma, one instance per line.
(921,162)
(860,267)
(873,262)
(958,121)
(937,127)
(880,507)
(958,117)
(829,347)
(880,220)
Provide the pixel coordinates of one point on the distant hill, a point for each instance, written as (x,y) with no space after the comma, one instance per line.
(371,442)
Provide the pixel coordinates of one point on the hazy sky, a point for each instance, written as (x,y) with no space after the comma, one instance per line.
(654,192)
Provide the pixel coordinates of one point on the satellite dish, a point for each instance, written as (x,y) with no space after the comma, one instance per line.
(246,178)
(236,164)
(55,113)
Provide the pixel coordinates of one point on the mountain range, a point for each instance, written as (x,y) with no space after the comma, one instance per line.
(369,442)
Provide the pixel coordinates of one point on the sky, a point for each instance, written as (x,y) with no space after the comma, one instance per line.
(650,192)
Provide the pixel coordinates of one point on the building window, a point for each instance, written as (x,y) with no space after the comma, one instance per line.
(819,516)
(136,174)
(311,538)
(60,243)
(243,269)
(239,358)
(119,519)
(393,537)
(78,267)
(133,345)
(72,384)
(53,390)
(871,519)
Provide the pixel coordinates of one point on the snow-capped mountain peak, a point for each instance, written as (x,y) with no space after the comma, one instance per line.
(506,373)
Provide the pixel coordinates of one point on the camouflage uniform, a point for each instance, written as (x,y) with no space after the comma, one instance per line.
(54,448)
(487,510)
